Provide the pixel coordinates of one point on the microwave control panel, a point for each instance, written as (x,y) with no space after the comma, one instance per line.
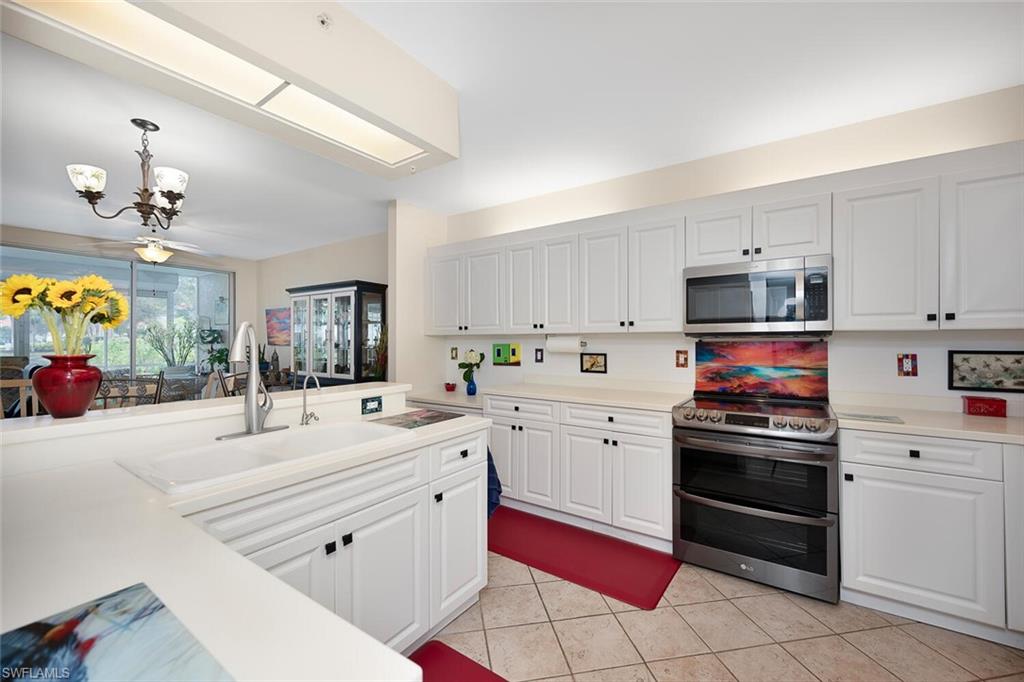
(816,294)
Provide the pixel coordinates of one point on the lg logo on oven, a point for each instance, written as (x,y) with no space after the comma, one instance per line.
(749,569)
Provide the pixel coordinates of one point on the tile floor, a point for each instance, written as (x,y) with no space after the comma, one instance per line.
(530,625)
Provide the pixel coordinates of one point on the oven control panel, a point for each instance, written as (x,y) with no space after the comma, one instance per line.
(809,428)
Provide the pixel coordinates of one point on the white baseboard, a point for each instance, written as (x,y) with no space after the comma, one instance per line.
(657,544)
(942,620)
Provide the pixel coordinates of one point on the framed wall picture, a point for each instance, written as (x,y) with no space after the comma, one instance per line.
(594,363)
(986,370)
(279,326)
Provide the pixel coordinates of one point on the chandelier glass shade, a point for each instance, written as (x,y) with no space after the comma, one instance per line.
(156,206)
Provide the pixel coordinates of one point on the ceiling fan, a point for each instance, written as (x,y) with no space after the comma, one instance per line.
(156,250)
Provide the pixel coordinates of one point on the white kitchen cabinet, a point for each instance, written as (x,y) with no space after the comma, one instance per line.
(931,540)
(502,442)
(656,277)
(604,284)
(444,288)
(792,228)
(458,540)
(542,282)
(522,290)
(982,249)
(482,291)
(886,257)
(586,473)
(641,473)
(382,556)
(1013,456)
(537,480)
(719,237)
(305,562)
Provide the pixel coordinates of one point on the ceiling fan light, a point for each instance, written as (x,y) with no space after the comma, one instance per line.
(153,253)
(170,179)
(87,178)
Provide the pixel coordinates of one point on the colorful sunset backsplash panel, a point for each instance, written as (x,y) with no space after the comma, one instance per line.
(778,369)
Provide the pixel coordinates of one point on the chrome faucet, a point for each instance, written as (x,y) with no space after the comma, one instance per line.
(310,416)
(256,412)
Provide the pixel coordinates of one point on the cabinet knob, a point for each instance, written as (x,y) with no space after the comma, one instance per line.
(520,428)
(438,497)
(464,454)
(746,252)
(534,326)
(757,249)
(622,323)
(631,323)
(611,418)
(606,441)
(541,325)
(346,539)
(330,548)
(513,427)
(916,454)
(931,317)
(516,408)
(950,316)
(848,477)
(615,443)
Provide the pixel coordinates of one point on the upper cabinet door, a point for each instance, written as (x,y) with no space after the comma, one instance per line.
(444,281)
(719,237)
(558,284)
(603,281)
(484,277)
(522,311)
(886,257)
(796,227)
(656,277)
(983,250)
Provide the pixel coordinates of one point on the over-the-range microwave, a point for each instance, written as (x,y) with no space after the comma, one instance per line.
(788,295)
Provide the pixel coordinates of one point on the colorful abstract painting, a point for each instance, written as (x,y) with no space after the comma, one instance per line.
(777,369)
(127,635)
(279,326)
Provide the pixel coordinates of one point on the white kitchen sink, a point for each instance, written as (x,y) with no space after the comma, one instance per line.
(196,467)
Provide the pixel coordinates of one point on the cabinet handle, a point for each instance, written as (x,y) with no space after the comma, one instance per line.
(916,454)
(746,252)
(931,317)
(330,548)
(438,497)
(950,316)
(622,323)
(848,477)
(615,443)
(757,249)
(464,454)
(346,539)
(606,441)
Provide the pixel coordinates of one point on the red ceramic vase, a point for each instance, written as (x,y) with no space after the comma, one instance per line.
(68,386)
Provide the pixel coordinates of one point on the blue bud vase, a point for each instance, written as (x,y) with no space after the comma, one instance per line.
(471,387)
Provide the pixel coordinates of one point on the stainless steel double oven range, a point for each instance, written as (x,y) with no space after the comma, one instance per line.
(755,491)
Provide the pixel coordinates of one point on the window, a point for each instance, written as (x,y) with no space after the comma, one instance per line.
(170,308)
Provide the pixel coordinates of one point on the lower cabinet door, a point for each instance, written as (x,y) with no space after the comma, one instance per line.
(305,562)
(642,484)
(458,540)
(1013,457)
(586,473)
(382,558)
(926,539)
(502,440)
(539,465)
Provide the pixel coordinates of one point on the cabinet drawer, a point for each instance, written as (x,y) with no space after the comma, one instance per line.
(641,422)
(922,453)
(455,454)
(520,408)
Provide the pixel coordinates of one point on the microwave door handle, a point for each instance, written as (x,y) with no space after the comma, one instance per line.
(822,454)
(751,511)
(799,291)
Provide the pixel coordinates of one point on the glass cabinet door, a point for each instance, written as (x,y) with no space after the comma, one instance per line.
(343,317)
(320,335)
(300,334)
(373,343)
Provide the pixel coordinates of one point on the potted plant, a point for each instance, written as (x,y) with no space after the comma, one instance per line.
(68,385)
(471,362)
(176,344)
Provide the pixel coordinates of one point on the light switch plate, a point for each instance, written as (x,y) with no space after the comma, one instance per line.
(373,405)
(906,364)
(682,358)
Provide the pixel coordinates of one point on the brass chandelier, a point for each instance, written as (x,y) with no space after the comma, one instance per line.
(155,206)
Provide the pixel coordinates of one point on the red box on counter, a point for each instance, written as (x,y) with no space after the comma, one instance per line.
(984,407)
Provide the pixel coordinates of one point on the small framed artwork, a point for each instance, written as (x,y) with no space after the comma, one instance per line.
(453,353)
(594,363)
(986,370)
(682,358)
(279,326)
(538,355)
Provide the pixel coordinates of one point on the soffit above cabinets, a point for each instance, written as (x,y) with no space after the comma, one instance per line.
(272,66)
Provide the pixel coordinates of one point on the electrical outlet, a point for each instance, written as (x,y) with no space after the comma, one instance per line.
(906,364)
(372,405)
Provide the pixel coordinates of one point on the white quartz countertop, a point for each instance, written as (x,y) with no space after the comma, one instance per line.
(934,423)
(611,397)
(78,532)
(456,398)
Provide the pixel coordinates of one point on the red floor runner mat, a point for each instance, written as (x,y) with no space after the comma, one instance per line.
(619,569)
(441,663)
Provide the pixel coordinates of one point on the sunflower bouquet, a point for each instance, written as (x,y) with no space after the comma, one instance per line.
(67,307)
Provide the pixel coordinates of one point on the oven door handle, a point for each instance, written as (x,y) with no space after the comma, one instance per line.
(789,453)
(751,511)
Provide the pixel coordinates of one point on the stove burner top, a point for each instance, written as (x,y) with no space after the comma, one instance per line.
(758,416)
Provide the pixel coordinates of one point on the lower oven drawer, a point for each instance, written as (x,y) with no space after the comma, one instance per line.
(803,543)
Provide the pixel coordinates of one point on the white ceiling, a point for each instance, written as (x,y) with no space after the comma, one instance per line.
(556,95)
(249,195)
(552,96)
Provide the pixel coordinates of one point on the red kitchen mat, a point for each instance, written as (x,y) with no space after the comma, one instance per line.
(441,663)
(627,572)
